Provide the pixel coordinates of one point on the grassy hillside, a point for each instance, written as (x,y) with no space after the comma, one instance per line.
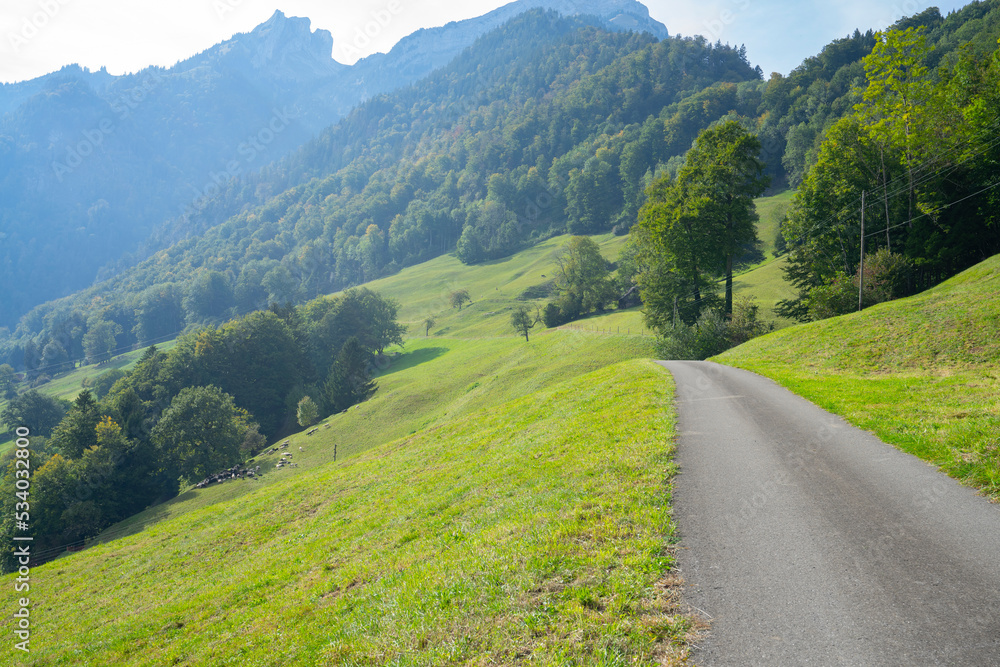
(527,277)
(69,385)
(766,281)
(431,382)
(496,287)
(535,529)
(922,373)
(771,210)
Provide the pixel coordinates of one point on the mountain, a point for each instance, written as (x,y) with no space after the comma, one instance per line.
(92,164)
(546,124)
(422,52)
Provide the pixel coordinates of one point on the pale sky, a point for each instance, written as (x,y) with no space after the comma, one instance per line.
(40,36)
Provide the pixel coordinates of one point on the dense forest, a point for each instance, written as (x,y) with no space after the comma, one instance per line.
(546,125)
(209,403)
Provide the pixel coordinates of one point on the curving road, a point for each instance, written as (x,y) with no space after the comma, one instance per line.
(810,542)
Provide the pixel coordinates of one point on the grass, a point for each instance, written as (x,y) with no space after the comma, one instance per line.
(69,385)
(767,283)
(431,382)
(771,211)
(628,322)
(532,530)
(921,373)
(496,287)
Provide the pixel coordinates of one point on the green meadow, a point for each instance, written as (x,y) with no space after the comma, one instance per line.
(535,528)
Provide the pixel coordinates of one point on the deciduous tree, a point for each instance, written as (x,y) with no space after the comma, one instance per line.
(307,412)
(677,255)
(722,175)
(523,321)
(350,380)
(8,389)
(35,411)
(459,297)
(76,432)
(201,432)
(99,341)
(584,278)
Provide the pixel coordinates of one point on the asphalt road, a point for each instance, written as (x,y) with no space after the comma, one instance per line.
(810,542)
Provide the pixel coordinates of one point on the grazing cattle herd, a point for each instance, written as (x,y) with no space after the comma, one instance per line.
(248,472)
(245,472)
(236,472)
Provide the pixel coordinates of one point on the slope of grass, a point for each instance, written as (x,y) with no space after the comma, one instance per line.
(767,283)
(495,287)
(69,385)
(922,373)
(628,322)
(430,382)
(771,211)
(534,530)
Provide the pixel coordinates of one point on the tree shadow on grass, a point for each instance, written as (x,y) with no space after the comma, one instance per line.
(411,359)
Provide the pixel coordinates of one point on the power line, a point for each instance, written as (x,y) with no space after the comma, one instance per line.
(938,210)
(120,350)
(948,168)
(850,208)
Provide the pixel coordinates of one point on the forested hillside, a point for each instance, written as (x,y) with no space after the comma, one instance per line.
(97,171)
(903,194)
(546,125)
(208,404)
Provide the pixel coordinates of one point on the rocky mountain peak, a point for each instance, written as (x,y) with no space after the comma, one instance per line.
(289,48)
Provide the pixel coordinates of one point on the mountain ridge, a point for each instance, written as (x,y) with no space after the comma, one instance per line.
(91,164)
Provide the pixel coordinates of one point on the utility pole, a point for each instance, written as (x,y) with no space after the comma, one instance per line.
(861,271)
